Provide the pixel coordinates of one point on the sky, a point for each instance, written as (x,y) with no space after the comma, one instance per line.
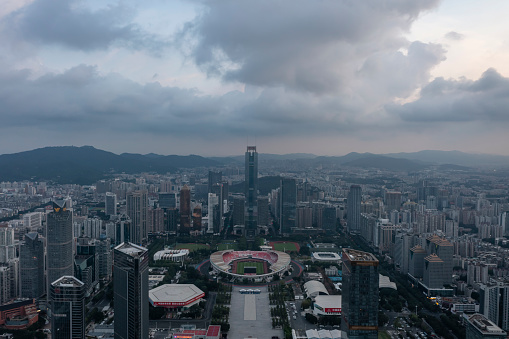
(327,77)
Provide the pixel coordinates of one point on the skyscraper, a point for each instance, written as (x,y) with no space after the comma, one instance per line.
(354,208)
(287,205)
(137,209)
(67,295)
(110,203)
(59,240)
(360,294)
(31,257)
(251,191)
(130,288)
(214,179)
(185,209)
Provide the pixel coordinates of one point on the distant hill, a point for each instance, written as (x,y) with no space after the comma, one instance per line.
(86,165)
(385,163)
(455,158)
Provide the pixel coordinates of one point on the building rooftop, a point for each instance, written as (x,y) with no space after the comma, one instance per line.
(355,255)
(175,294)
(130,249)
(484,325)
(67,281)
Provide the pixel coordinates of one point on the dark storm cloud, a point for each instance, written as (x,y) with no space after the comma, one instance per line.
(484,100)
(82,100)
(64,22)
(312,46)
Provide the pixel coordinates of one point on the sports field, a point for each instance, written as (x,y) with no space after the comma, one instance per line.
(192,247)
(284,246)
(258,265)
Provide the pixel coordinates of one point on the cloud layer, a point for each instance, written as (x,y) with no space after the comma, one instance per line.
(306,69)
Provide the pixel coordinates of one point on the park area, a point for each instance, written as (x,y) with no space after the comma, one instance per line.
(285,246)
(192,247)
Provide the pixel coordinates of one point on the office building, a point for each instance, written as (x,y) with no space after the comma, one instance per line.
(67,295)
(103,247)
(329,219)
(215,178)
(213,205)
(287,205)
(167,200)
(86,263)
(238,210)
(130,288)
(172,220)
(124,230)
(251,192)
(263,211)
(197,218)
(31,262)
(185,210)
(354,209)
(110,204)
(137,210)
(360,294)
(59,243)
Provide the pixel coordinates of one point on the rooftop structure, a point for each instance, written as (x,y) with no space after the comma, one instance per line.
(175,295)
(478,327)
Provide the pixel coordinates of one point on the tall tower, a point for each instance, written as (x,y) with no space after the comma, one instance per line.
(137,209)
(67,296)
(59,239)
(31,262)
(360,294)
(251,191)
(354,209)
(185,209)
(130,288)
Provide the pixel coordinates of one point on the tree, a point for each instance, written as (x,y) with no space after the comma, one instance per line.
(311,318)
(304,250)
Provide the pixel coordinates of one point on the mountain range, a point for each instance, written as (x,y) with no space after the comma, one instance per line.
(86,164)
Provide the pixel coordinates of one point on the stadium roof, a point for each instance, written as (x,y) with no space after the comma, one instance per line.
(385,282)
(328,301)
(314,288)
(175,295)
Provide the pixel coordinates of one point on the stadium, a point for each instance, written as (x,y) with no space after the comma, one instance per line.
(254,265)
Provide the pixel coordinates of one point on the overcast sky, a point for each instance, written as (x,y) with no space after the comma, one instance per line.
(208,77)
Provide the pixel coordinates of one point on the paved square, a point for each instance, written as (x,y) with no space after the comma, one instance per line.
(250,315)
(249,307)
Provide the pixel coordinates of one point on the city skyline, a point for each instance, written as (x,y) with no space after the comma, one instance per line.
(201,77)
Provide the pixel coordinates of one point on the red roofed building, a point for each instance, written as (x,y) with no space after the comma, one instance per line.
(18,315)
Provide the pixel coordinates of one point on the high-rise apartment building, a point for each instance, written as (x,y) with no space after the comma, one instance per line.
(137,209)
(354,209)
(130,288)
(7,244)
(263,211)
(251,192)
(185,209)
(110,203)
(31,262)
(59,243)
(360,294)
(392,201)
(67,295)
